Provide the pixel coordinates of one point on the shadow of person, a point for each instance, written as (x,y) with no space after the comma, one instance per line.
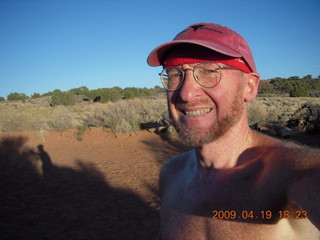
(47,167)
(65,203)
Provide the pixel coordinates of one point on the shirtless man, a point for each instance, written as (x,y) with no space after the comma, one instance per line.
(236,183)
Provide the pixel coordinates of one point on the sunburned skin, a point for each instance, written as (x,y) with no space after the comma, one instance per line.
(262,197)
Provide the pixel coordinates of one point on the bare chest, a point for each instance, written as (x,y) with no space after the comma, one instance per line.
(241,196)
(217,208)
(183,226)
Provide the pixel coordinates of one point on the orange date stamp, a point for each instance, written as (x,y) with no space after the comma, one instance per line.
(262,215)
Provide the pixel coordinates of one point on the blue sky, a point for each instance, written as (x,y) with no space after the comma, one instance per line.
(64,44)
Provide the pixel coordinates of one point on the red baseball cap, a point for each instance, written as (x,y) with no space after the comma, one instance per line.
(209,35)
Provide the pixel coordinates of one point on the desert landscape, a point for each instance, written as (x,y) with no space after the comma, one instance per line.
(84,126)
(89,171)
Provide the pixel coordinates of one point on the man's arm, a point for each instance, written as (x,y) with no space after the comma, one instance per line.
(305,188)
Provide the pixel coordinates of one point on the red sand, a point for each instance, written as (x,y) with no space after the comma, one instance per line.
(103,187)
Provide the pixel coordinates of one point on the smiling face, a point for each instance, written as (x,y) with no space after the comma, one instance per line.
(202,115)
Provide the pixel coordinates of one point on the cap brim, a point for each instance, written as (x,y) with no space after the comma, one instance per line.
(155,58)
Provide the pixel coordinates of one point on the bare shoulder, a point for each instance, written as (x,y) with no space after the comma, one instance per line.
(290,154)
(298,157)
(303,168)
(296,170)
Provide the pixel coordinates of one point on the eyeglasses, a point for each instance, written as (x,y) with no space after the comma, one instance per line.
(207,74)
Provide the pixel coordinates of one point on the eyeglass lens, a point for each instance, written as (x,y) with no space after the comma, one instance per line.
(206,74)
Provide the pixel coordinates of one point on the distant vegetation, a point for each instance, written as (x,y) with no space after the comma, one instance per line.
(17,96)
(62,98)
(121,110)
(102,95)
(293,86)
(132,109)
(126,115)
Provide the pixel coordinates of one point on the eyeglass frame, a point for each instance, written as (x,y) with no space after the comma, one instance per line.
(194,75)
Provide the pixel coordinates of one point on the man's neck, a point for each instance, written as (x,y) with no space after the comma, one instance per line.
(225,151)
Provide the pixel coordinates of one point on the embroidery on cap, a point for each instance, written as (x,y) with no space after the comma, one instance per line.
(212,29)
(195,27)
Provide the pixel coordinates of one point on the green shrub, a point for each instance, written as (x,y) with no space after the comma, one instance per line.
(17,96)
(129,93)
(299,89)
(80,91)
(47,94)
(36,95)
(62,98)
(112,94)
(106,94)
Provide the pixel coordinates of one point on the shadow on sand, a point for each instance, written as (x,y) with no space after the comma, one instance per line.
(42,201)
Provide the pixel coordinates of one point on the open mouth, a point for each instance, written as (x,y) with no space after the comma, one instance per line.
(197,112)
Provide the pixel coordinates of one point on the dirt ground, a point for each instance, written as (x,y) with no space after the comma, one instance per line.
(103,187)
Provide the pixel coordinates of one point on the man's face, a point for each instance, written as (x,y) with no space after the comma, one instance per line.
(202,115)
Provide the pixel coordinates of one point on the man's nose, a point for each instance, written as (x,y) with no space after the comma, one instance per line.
(190,87)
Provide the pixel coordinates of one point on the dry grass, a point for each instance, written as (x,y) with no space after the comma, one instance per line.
(122,116)
(276,109)
(127,115)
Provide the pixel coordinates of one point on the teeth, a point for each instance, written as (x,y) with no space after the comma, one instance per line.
(198,112)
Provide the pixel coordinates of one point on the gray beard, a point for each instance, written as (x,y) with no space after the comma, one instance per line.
(197,137)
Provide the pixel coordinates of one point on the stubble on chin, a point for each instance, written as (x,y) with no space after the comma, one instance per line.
(197,136)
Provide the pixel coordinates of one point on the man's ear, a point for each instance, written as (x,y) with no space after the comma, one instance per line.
(252,84)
